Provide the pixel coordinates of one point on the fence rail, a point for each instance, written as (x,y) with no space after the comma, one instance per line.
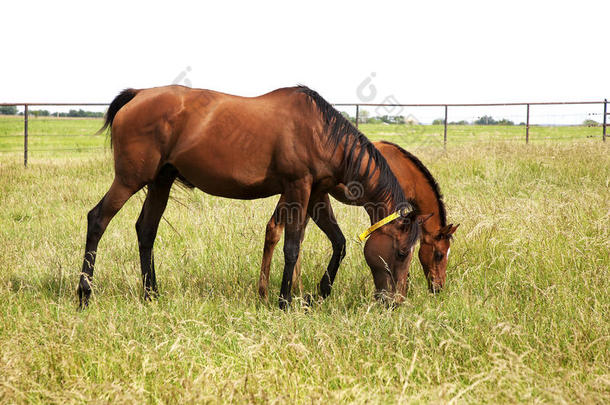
(447,105)
(358,106)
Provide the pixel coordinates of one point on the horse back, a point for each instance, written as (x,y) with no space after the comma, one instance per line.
(227,145)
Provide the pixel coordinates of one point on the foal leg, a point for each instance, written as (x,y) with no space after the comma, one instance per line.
(322,213)
(273,233)
(147,225)
(97,221)
(293,215)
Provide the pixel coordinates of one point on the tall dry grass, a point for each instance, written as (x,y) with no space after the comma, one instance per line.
(524,317)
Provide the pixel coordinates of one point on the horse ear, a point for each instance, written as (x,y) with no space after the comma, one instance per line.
(452,229)
(423,218)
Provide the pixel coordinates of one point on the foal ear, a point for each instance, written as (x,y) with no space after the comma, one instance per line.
(423,218)
(452,229)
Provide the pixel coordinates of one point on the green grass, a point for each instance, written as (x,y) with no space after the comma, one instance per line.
(49,136)
(523,318)
(56,137)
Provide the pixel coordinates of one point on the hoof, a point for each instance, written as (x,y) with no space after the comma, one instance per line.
(284,304)
(84,292)
(263,294)
(325,289)
(309,300)
(150,294)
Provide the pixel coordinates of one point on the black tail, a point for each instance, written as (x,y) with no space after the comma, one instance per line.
(119,101)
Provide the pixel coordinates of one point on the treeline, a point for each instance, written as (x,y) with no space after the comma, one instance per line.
(8,110)
(12,110)
(484,120)
(364,118)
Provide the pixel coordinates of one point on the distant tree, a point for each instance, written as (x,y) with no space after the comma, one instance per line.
(522,124)
(590,123)
(462,122)
(438,121)
(8,110)
(363,116)
(485,120)
(81,114)
(39,113)
(399,119)
(504,121)
(386,118)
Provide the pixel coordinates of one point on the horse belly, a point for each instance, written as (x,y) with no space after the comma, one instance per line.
(230,186)
(227,173)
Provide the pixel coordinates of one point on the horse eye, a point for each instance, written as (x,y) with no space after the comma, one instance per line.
(438,256)
(401,255)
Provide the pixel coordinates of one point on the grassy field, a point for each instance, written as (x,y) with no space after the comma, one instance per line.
(523,318)
(49,136)
(56,137)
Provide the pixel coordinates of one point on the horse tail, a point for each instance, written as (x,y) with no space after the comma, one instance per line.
(119,101)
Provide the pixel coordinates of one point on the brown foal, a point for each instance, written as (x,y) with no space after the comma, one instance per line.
(417,183)
(289,141)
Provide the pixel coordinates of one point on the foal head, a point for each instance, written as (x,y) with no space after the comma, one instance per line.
(433,255)
(389,251)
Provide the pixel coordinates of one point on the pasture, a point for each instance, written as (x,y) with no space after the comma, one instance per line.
(523,317)
(61,137)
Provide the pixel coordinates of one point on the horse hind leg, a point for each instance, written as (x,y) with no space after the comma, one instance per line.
(273,233)
(97,221)
(148,223)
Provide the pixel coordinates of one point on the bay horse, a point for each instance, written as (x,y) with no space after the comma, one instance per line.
(289,141)
(418,184)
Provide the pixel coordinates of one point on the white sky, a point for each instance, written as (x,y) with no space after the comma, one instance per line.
(420,52)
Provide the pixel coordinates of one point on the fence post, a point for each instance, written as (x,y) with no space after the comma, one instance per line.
(527,125)
(357,114)
(605,115)
(25,136)
(445,133)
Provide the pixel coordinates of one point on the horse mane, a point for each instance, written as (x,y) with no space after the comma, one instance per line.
(429,178)
(338,130)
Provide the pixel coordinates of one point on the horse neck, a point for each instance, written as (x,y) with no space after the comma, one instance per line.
(377,210)
(377,207)
(361,188)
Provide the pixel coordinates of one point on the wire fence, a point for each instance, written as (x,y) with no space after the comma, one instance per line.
(37,130)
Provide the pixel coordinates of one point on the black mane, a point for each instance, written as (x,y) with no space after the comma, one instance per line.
(428,176)
(339,130)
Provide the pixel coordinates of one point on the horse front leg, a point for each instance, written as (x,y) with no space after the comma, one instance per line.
(321,212)
(293,214)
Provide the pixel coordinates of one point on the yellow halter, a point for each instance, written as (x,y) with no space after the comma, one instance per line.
(378,225)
